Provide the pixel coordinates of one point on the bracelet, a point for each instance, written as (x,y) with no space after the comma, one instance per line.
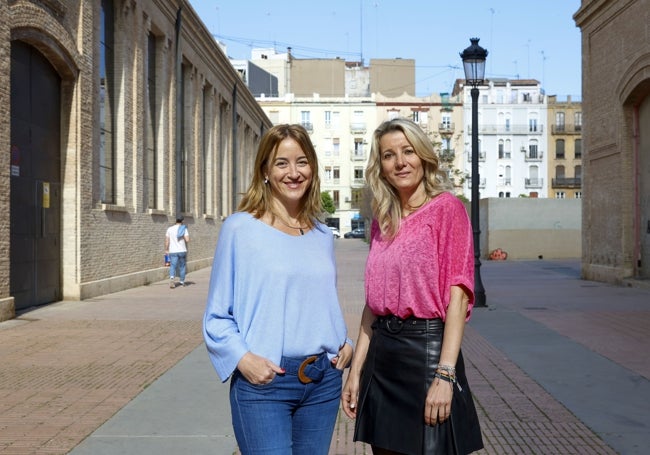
(448,368)
(451,380)
(444,377)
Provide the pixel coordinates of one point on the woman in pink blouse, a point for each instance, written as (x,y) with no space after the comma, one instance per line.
(407,387)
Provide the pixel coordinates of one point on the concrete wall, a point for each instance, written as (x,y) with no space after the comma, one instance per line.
(392,77)
(527,228)
(325,77)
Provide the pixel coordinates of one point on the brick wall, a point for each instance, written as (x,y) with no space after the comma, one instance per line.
(616,76)
(109,247)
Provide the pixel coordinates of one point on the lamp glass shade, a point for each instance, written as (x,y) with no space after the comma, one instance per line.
(474,71)
(474,62)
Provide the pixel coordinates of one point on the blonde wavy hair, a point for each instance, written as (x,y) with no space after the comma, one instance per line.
(386,204)
(258,199)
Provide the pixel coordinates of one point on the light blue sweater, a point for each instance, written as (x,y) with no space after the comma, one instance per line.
(271,293)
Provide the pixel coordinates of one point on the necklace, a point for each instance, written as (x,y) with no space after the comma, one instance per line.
(299,228)
(408,209)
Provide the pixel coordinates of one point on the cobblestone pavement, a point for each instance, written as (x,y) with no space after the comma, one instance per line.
(69,367)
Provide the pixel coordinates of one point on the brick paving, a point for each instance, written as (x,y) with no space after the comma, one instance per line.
(68,367)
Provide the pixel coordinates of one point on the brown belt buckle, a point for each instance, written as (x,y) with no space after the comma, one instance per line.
(301,370)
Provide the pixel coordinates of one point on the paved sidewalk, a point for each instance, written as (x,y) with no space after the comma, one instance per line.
(557,365)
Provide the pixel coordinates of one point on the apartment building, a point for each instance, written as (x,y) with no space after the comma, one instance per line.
(341,130)
(513,143)
(116,115)
(565,148)
(336,101)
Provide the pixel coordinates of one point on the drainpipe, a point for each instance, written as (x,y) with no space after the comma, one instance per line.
(637,196)
(179,110)
(235,166)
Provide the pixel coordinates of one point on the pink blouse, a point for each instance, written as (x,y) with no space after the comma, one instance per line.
(412,274)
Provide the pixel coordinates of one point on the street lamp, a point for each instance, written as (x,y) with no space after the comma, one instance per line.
(474,65)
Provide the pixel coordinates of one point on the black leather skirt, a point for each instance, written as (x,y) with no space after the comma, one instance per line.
(402,358)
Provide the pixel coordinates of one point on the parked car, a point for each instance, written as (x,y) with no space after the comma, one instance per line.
(358,233)
(337,234)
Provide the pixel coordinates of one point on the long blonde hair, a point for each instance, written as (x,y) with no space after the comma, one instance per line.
(386,204)
(258,199)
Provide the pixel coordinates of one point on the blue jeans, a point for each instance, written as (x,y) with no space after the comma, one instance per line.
(177,259)
(287,417)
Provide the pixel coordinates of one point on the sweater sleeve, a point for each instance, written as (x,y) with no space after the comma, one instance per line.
(225,343)
(458,250)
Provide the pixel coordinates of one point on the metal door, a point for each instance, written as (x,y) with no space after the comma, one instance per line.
(35,169)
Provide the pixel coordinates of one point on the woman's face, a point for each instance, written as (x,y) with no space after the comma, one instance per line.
(289,173)
(400,165)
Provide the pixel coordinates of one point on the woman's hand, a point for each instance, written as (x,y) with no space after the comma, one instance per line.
(344,358)
(350,395)
(258,370)
(438,402)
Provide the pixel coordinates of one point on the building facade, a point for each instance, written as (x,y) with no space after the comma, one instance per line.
(116,116)
(565,148)
(616,133)
(512,116)
(335,100)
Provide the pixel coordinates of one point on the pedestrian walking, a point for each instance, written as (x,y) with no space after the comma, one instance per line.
(407,387)
(176,239)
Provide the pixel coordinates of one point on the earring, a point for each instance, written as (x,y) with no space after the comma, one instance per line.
(266,180)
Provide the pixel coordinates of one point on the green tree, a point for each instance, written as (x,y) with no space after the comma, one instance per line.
(328,202)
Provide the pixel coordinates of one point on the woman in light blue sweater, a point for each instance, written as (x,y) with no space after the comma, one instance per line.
(273,323)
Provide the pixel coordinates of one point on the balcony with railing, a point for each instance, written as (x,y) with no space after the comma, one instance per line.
(481,183)
(355,204)
(358,127)
(566,182)
(566,129)
(447,155)
(481,157)
(508,129)
(358,155)
(358,183)
(308,126)
(532,98)
(533,155)
(446,128)
(534,182)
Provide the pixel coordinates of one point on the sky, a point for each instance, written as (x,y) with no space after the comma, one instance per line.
(524,39)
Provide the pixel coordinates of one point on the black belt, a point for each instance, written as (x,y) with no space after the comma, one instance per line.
(395,324)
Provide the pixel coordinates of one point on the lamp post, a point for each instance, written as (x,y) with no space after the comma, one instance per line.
(474,64)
